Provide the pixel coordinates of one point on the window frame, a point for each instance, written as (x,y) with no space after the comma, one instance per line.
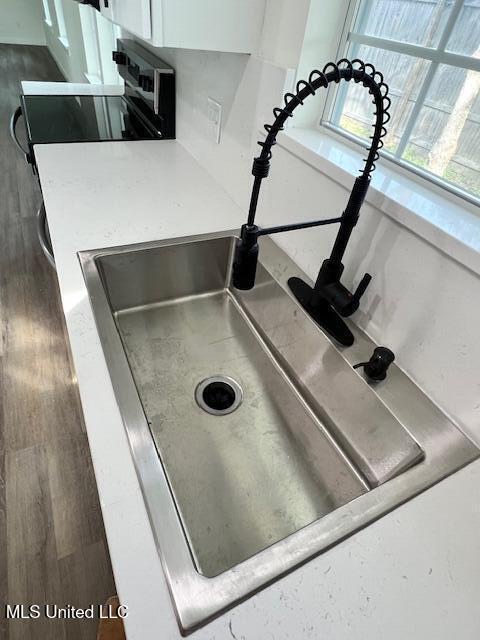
(435,56)
(46,13)
(61,24)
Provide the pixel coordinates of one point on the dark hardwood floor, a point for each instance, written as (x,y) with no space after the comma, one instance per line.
(52,541)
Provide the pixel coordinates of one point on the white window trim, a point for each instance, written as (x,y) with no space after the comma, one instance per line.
(47,14)
(436,56)
(64,42)
(444,220)
(61,25)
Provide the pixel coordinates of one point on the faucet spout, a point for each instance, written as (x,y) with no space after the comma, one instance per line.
(329,300)
(244,267)
(246,248)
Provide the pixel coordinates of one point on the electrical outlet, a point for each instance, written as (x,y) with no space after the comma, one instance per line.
(215,119)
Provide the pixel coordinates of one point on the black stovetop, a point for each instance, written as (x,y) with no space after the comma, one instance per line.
(67,118)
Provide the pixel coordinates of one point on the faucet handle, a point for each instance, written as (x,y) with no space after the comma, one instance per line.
(329,287)
(354,303)
(348,303)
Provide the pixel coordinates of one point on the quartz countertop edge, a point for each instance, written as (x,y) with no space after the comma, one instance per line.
(414,573)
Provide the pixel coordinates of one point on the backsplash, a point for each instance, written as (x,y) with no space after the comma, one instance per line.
(419,302)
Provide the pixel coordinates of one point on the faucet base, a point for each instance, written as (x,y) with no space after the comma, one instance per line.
(322,313)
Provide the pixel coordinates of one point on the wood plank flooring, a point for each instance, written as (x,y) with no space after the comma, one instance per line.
(52,541)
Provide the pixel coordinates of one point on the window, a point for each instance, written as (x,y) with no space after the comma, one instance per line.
(46,13)
(429,54)
(62,28)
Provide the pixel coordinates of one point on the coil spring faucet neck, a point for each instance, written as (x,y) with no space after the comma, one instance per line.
(328,299)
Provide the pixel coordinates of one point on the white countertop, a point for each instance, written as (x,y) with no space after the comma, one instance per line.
(39,88)
(413,574)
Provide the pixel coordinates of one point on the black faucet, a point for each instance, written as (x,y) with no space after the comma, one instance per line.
(329,300)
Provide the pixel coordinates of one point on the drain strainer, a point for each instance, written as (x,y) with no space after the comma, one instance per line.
(219,395)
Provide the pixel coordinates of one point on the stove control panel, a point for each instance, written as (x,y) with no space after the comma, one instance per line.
(149,83)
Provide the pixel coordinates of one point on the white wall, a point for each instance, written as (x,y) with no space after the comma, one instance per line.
(21,22)
(421,303)
(283,31)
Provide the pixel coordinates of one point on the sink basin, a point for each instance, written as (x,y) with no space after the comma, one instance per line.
(256,444)
(244,480)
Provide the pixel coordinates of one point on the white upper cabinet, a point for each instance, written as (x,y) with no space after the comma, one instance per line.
(106,9)
(213,25)
(134,15)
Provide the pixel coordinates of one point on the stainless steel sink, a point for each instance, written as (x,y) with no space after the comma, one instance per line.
(256,444)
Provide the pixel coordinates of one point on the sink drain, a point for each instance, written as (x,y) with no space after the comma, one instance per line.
(219,395)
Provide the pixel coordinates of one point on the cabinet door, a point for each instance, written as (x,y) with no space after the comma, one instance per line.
(215,25)
(133,15)
(106,8)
